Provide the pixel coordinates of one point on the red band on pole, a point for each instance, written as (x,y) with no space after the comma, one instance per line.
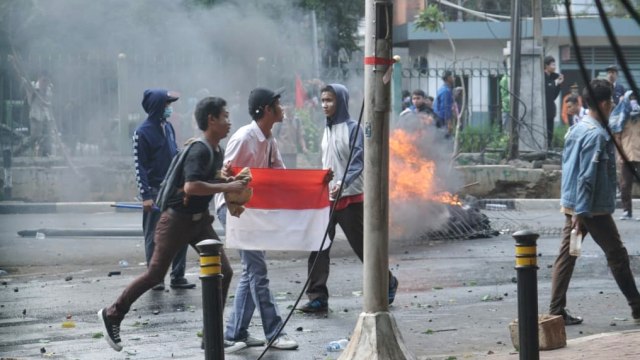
(373,60)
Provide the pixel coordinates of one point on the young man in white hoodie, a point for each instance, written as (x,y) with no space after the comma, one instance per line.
(339,134)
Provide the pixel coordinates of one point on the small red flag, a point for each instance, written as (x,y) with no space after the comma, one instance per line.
(301,94)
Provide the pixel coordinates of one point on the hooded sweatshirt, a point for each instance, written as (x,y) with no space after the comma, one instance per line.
(154,144)
(338,135)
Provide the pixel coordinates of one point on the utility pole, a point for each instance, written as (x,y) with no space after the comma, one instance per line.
(530,90)
(316,53)
(376,335)
(514,83)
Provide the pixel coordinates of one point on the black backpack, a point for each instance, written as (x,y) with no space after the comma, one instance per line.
(168,186)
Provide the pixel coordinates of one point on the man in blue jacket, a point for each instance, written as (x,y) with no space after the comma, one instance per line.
(444,103)
(588,198)
(154,145)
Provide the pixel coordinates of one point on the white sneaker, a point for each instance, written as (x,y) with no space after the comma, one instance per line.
(284,342)
(233,346)
(626,216)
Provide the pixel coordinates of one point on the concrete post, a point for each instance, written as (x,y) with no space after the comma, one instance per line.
(376,335)
(533,133)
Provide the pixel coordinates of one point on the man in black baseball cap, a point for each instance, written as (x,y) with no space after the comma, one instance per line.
(254,146)
(259,98)
(618,89)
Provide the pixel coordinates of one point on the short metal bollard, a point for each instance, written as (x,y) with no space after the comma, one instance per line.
(211,277)
(527,267)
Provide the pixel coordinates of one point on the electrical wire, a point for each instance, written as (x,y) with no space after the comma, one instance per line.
(324,238)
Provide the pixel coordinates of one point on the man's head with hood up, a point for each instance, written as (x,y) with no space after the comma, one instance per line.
(335,103)
(157,103)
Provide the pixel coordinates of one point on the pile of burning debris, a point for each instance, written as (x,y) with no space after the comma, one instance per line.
(420,207)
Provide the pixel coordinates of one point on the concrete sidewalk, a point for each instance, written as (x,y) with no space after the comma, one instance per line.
(611,345)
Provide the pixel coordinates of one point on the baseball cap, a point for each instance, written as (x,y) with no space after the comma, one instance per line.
(261,97)
(172,96)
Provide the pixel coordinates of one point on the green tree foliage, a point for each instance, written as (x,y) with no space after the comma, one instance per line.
(431,18)
(338,20)
(616,9)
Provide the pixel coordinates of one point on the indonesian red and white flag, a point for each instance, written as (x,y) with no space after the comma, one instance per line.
(289,210)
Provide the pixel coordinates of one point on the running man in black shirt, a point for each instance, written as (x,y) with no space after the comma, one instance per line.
(187,219)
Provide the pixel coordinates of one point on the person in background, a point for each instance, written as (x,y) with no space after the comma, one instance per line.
(505,101)
(42,126)
(618,89)
(290,136)
(588,200)
(154,146)
(444,105)
(421,107)
(574,93)
(552,82)
(625,125)
(574,110)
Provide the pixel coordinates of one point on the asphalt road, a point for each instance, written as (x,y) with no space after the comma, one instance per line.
(455,300)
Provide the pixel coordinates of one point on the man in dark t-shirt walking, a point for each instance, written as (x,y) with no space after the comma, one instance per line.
(187,219)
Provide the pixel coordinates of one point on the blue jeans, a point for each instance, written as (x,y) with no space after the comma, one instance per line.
(149,222)
(253,288)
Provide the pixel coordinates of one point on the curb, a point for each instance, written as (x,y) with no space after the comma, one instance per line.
(10,207)
(18,207)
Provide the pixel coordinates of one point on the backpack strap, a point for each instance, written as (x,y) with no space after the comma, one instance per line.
(176,167)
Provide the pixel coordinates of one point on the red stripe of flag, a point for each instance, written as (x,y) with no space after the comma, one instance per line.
(290,189)
(374,60)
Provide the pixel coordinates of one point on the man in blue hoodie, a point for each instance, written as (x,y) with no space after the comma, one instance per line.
(338,137)
(154,145)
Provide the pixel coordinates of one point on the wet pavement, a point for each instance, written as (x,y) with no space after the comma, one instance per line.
(455,300)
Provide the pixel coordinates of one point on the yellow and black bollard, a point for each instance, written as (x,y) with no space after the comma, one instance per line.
(211,277)
(527,267)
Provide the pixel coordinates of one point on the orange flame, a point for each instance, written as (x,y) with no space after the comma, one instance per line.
(413,177)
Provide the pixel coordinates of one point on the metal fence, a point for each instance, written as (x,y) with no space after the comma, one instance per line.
(480,81)
(97,97)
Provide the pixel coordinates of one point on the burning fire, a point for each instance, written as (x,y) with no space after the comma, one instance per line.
(413,177)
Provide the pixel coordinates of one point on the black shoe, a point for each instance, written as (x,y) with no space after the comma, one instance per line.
(315,306)
(393,287)
(635,313)
(112,330)
(570,319)
(181,283)
(159,286)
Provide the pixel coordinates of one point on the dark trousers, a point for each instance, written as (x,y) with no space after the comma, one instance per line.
(550,123)
(626,185)
(149,222)
(604,232)
(174,231)
(351,221)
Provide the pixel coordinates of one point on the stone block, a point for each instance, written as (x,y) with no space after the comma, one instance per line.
(551,332)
